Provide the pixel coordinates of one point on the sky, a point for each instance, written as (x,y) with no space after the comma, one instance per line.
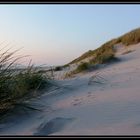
(57,34)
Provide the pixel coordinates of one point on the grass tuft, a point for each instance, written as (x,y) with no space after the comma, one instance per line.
(82,67)
(18,85)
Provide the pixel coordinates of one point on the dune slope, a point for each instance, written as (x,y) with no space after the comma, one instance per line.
(107,104)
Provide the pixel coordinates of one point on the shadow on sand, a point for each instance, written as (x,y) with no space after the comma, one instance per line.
(52,126)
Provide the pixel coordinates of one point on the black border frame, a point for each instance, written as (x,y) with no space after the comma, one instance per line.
(65,3)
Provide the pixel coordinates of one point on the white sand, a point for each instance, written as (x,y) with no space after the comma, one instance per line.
(112,108)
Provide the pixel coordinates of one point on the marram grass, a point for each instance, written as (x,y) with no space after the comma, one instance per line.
(18,85)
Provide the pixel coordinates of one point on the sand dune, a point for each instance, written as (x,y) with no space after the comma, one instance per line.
(79,108)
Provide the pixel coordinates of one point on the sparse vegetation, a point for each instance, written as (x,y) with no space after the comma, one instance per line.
(85,55)
(58,68)
(101,56)
(130,38)
(106,51)
(104,57)
(82,67)
(16,85)
(126,52)
(69,74)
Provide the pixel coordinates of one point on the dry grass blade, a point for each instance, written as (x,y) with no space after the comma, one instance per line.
(18,85)
(127,51)
(27,106)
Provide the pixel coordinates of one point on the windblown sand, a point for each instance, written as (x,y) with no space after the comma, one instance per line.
(99,107)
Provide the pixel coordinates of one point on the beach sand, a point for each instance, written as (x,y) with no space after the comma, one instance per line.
(109,106)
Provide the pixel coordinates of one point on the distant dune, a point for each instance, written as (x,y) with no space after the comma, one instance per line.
(130,38)
(102,55)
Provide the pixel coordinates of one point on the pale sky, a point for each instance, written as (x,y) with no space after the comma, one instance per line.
(57,34)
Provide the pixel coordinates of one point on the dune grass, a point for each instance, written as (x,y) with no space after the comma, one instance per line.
(106,51)
(18,85)
(127,51)
(133,37)
(58,68)
(82,67)
(99,58)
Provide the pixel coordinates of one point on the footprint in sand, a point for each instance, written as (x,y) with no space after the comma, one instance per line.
(89,95)
(89,92)
(77,101)
(102,88)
